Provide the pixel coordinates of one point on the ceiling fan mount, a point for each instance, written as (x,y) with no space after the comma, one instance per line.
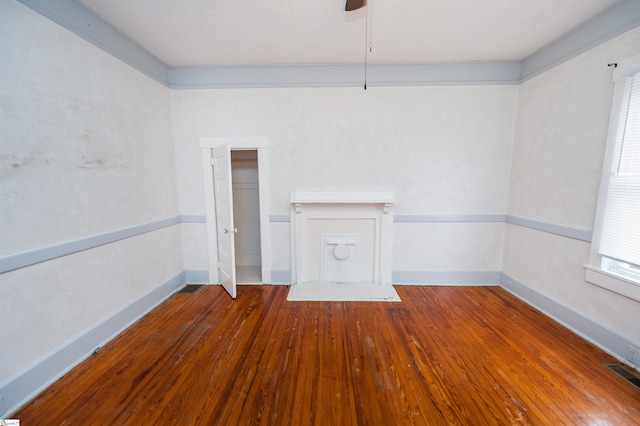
(354,5)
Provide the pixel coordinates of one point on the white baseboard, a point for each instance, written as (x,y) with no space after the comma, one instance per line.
(419,277)
(459,278)
(600,335)
(196,276)
(20,389)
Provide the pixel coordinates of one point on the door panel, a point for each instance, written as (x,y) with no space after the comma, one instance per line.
(224,217)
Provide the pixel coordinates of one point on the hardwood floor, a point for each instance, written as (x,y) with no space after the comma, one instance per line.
(444,355)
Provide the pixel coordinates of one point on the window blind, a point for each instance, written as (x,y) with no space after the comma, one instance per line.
(621,227)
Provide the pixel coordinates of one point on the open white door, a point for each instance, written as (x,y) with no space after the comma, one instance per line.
(225,229)
(207,145)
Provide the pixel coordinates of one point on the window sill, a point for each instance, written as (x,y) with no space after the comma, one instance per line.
(613,282)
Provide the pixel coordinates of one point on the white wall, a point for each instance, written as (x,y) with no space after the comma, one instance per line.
(443,150)
(561,132)
(87,149)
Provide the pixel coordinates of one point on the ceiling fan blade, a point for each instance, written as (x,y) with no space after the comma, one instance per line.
(354,5)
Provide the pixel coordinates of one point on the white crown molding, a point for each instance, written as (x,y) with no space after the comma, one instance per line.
(622,16)
(342,75)
(73,15)
(82,21)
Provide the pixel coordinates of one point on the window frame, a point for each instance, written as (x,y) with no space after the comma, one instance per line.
(626,285)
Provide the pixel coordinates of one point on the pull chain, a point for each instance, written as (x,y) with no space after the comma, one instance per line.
(368,43)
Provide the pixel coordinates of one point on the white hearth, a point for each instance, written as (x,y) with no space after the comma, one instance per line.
(342,292)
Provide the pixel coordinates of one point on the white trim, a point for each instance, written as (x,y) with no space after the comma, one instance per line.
(275,218)
(345,75)
(209,204)
(264,197)
(280,276)
(620,17)
(421,277)
(20,260)
(341,196)
(551,228)
(193,218)
(43,254)
(196,276)
(25,385)
(594,273)
(310,204)
(600,335)
(446,278)
(79,19)
(613,282)
(235,142)
(73,15)
(261,144)
(463,218)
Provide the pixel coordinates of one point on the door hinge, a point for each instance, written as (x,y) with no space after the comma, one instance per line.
(213,162)
(218,265)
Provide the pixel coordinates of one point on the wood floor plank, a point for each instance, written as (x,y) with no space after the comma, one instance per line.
(444,355)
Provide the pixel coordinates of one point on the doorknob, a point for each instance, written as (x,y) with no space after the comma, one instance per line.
(226,231)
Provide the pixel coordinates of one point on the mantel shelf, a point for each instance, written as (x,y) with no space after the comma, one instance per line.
(330,196)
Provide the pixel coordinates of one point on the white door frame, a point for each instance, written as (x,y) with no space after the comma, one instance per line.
(259,144)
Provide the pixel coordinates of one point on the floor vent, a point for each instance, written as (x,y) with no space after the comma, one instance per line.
(625,374)
(190,289)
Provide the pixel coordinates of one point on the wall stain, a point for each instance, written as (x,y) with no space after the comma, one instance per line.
(10,165)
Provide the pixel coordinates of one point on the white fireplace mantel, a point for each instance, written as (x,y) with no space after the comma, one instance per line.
(344,205)
(341,196)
